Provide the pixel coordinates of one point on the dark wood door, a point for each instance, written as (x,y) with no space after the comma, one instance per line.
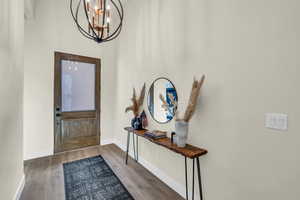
(76,102)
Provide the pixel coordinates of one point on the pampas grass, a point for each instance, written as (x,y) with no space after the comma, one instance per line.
(136,102)
(190,110)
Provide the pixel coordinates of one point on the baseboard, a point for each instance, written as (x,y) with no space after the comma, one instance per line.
(179,188)
(107,141)
(20,188)
(37,155)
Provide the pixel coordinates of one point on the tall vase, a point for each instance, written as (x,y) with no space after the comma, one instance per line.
(181,128)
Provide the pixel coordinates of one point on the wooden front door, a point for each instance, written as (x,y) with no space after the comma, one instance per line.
(76,102)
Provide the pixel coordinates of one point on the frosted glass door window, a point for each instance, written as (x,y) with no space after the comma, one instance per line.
(78,86)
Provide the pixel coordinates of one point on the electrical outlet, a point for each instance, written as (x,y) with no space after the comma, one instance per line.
(276,121)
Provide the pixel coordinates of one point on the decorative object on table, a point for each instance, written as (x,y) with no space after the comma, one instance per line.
(92,178)
(156,134)
(182,124)
(162,100)
(182,129)
(137,123)
(137,103)
(144,119)
(93,18)
(172,137)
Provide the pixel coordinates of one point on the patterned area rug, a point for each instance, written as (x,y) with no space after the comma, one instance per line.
(93,179)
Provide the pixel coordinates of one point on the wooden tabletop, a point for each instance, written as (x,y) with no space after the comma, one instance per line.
(188,151)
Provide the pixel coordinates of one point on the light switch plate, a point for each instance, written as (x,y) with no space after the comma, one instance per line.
(276,121)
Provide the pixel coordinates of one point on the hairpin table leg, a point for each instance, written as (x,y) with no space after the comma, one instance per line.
(137,148)
(127,148)
(133,143)
(193,179)
(199,179)
(186,180)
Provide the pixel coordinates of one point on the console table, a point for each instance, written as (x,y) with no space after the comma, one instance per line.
(188,151)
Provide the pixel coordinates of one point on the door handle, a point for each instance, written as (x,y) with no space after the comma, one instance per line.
(58,115)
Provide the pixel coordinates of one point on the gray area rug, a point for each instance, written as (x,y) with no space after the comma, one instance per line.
(93,179)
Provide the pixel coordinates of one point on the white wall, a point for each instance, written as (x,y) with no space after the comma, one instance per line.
(11,107)
(249,51)
(52,29)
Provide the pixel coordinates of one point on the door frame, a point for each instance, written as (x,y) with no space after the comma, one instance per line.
(58,56)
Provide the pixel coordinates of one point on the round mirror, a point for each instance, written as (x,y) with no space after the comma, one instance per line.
(162,100)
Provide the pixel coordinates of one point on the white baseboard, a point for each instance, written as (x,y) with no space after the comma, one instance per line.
(20,188)
(179,188)
(37,155)
(107,141)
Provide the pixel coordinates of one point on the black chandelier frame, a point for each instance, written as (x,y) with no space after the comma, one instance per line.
(99,38)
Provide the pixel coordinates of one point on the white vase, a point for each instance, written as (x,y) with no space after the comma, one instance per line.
(181,129)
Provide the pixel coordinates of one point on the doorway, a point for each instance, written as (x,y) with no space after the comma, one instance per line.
(76,102)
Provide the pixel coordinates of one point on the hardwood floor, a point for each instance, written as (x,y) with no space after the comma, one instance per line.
(44,176)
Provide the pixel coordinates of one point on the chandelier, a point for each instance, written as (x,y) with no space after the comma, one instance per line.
(98,20)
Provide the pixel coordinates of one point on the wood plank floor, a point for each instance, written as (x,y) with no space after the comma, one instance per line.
(44,176)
